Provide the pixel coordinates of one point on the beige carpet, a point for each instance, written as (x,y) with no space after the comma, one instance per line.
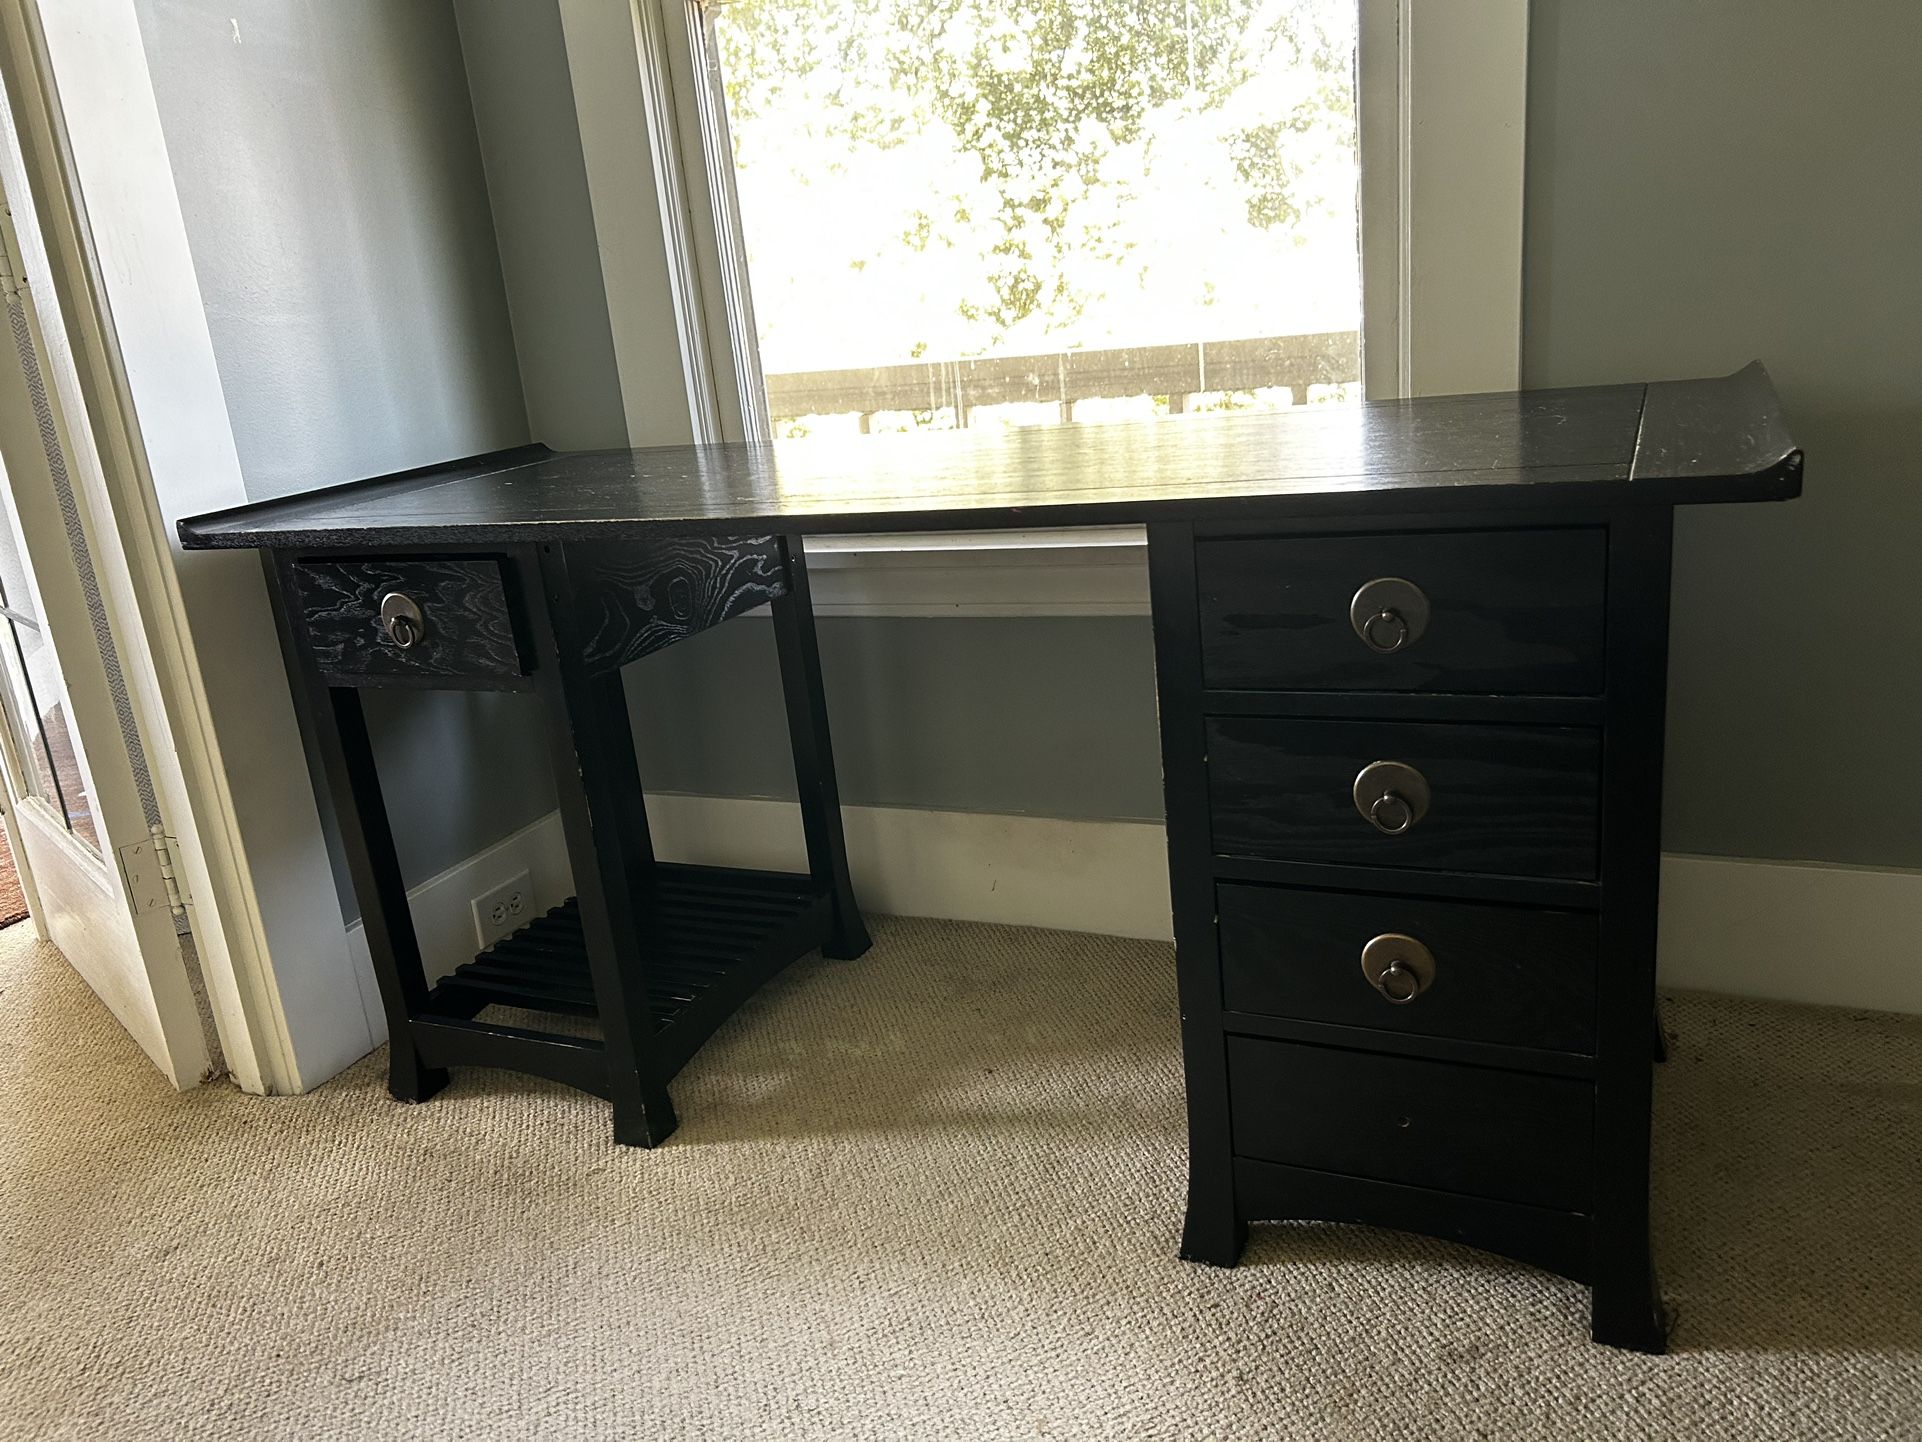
(930,1194)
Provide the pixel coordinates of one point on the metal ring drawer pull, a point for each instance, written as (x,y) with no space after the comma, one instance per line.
(1392,795)
(1398,966)
(1389,613)
(1391,813)
(401,619)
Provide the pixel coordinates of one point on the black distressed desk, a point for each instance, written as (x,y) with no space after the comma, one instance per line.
(1411,661)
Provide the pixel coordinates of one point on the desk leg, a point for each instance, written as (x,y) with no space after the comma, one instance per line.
(596,778)
(1215,1231)
(807,721)
(384,914)
(1627,1307)
(342,757)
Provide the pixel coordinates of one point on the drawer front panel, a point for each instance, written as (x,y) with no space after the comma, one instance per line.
(1471,1130)
(638,597)
(1516,976)
(466,629)
(1517,612)
(1504,800)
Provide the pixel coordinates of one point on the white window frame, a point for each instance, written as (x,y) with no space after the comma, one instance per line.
(1442,132)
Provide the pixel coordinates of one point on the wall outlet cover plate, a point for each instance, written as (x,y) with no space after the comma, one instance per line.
(504,909)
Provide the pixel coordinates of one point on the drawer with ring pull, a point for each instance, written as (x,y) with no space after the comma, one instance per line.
(1486,612)
(1494,799)
(1472,971)
(374,621)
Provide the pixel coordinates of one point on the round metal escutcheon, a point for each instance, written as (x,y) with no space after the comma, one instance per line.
(1391,796)
(1389,614)
(401,619)
(1398,966)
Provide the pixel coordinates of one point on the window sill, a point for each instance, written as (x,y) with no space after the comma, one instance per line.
(1096,571)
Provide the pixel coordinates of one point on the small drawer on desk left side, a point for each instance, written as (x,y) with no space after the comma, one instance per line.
(374,621)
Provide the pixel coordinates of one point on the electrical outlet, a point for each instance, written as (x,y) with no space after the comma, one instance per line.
(504,909)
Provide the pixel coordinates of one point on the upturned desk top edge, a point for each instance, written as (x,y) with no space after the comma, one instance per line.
(1667,442)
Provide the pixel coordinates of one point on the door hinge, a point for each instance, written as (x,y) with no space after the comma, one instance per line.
(152,885)
(11,281)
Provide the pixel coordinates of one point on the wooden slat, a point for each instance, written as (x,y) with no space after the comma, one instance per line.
(708,936)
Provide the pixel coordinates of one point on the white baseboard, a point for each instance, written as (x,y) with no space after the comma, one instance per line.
(1792,931)
(1109,877)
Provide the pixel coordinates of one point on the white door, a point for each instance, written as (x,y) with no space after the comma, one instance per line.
(82,813)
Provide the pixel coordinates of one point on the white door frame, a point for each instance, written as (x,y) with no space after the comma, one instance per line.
(104,905)
(131,354)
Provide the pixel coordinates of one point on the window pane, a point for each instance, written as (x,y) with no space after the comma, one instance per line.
(1023,211)
(30,700)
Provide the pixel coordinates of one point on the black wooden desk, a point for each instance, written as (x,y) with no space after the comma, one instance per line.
(1411,661)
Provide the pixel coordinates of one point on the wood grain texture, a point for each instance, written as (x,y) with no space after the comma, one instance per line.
(1443,453)
(1513,612)
(1508,800)
(1716,425)
(1471,1130)
(1516,976)
(639,597)
(469,626)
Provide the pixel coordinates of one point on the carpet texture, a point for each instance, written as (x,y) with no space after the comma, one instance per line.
(930,1194)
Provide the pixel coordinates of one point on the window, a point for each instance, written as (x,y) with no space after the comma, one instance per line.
(1019,212)
(31,698)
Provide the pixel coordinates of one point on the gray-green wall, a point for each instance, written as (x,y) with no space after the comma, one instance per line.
(523,105)
(1714,182)
(337,212)
(1042,716)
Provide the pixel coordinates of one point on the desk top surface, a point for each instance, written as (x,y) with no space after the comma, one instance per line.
(1666,443)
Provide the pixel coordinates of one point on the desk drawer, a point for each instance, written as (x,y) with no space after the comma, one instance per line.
(1502,800)
(460,623)
(1516,976)
(1516,612)
(1470,1130)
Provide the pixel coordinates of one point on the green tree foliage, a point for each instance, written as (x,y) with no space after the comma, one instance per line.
(1046,95)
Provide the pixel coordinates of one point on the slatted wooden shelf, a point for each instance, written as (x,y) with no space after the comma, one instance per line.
(710,936)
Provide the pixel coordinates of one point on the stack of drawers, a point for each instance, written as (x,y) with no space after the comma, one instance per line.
(1385,749)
